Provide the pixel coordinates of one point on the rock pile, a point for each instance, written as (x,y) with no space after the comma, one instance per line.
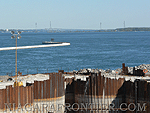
(117,71)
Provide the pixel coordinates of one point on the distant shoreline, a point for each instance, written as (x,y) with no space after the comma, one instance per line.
(128,29)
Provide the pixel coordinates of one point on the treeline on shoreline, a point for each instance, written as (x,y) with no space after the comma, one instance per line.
(134,29)
(80,30)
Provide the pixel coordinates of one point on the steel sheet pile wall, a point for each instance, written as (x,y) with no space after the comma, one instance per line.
(94,92)
(137,92)
(15,98)
(41,96)
(108,94)
(50,92)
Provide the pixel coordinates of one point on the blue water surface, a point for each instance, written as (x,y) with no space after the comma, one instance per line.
(102,50)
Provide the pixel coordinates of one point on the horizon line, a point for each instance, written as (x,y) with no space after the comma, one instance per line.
(66,28)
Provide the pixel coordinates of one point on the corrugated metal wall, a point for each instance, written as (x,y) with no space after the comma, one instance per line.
(96,88)
(99,90)
(48,92)
(15,96)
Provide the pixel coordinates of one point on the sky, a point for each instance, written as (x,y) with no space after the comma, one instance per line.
(74,14)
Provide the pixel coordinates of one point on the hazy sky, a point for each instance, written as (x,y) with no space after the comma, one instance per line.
(74,14)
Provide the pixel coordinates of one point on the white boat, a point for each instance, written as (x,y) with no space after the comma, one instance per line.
(50,42)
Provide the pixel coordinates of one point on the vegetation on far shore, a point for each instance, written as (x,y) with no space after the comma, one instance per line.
(81,30)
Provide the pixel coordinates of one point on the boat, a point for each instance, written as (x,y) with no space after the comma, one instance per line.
(51,42)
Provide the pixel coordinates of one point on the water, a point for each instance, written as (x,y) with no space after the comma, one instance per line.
(87,50)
